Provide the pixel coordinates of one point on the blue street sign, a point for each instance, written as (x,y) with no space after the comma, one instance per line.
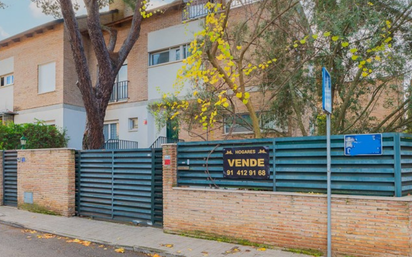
(369,144)
(326,91)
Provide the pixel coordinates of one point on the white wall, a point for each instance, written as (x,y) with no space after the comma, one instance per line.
(165,81)
(173,36)
(6,66)
(6,92)
(74,121)
(163,76)
(145,134)
(68,117)
(50,113)
(6,98)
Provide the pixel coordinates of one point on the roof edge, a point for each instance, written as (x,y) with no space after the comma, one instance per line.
(48,25)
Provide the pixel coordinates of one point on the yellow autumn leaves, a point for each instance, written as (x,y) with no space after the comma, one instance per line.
(146,14)
(218,69)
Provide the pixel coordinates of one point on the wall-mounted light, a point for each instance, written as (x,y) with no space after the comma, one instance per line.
(23,142)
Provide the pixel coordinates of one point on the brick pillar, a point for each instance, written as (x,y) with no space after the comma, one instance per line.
(1,178)
(169,179)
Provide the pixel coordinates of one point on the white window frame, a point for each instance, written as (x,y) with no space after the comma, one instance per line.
(134,124)
(50,84)
(5,78)
(109,129)
(268,126)
(172,54)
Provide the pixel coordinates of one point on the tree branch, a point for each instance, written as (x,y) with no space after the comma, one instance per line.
(132,37)
(113,38)
(84,80)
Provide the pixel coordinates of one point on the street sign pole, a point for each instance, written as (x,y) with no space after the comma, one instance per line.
(327,107)
(329,184)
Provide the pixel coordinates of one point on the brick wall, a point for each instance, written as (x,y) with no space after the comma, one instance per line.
(50,175)
(1,178)
(361,225)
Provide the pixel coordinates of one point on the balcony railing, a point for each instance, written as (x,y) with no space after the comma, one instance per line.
(197,8)
(120,92)
(164,140)
(115,144)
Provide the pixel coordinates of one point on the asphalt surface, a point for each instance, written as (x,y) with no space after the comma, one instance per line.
(15,242)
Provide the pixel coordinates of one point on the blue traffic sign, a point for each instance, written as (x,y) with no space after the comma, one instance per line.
(369,144)
(326,91)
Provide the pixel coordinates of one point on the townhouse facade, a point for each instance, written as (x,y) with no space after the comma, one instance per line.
(38,79)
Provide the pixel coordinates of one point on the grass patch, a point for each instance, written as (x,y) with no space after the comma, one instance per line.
(305,251)
(220,238)
(37,209)
(233,240)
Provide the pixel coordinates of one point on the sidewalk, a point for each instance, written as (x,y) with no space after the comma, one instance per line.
(142,239)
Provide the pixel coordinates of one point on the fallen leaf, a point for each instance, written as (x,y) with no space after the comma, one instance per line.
(119,250)
(86,243)
(261,249)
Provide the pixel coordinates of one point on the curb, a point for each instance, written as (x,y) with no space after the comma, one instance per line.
(138,249)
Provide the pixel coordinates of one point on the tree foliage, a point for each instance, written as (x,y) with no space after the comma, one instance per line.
(39,135)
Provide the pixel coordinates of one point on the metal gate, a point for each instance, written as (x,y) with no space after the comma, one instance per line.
(10,178)
(122,185)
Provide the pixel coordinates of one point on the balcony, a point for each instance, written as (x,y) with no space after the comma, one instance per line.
(120,92)
(197,8)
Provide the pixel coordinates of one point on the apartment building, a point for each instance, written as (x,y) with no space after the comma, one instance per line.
(38,78)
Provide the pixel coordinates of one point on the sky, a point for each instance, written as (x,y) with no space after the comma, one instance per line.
(22,15)
(19,16)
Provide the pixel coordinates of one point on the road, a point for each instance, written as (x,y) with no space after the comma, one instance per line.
(15,242)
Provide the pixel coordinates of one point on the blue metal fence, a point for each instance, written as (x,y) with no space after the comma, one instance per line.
(122,185)
(9,177)
(299,165)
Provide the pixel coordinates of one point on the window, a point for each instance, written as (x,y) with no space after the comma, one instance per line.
(120,91)
(7,80)
(47,77)
(186,51)
(133,124)
(122,75)
(169,55)
(159,58)
(242,124)
(110,131)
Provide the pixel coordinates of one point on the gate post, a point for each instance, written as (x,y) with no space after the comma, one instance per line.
(169,178)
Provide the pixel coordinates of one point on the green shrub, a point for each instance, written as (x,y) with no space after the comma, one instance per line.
(39,135)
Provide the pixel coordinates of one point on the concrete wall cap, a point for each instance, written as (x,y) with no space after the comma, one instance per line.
(358,197)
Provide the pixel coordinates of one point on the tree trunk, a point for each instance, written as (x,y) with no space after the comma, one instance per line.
(93,137)
(97,98)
